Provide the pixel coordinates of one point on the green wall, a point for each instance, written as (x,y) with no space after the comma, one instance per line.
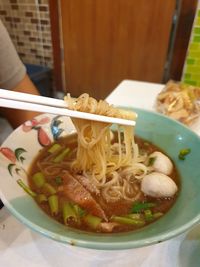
(191,71)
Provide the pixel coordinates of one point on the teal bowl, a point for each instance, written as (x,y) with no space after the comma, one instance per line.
(17,152)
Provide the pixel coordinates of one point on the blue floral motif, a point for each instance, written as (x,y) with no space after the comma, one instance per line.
(56,131)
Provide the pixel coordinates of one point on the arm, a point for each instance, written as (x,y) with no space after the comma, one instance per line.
(13,77)
(15,116)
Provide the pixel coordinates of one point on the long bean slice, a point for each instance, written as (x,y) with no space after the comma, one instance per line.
(61,156)
(26,188)
(134,216)
(148,215)
(69,214)
(49,189)
(53,204)
(157,215)
(128,221)
(41,198)
(38,179)
(54,148)
(79,211)
(92,221)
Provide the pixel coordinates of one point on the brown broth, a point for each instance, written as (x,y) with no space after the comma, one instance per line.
(118,208)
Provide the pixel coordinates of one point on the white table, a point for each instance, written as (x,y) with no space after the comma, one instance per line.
(21,247)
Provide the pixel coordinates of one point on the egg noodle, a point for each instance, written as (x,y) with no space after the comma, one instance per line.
(114,168)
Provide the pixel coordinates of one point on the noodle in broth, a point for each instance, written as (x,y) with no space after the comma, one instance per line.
(100,172)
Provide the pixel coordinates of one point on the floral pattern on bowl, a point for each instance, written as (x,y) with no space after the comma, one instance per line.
(45,129)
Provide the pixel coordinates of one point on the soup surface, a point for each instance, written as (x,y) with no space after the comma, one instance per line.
(71,199)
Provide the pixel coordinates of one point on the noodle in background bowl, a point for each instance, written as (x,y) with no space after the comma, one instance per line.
(19,149)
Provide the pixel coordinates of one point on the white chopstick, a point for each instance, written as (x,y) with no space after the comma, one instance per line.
(10,99)
(43,100)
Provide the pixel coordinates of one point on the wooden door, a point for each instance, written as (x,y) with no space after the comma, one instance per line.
(107,41)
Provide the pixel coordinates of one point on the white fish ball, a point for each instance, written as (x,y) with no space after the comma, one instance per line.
(161,163)
(158,185)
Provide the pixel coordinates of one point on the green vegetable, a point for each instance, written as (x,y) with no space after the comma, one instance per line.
(69,214)
(128,221)
(26,188)
(140,206)
(41,198)
(38,179)
(134,216)
(156,215)
(58,180)
(49,189)
(148,215)
(151,161)
(53,204)
(54,148)
(92,221)
(62,155)
(183,153)
(79,211)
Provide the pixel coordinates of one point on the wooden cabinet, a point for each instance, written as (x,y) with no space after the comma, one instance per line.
(107,41)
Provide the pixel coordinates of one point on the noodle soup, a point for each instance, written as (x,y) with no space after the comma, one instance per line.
(73,197)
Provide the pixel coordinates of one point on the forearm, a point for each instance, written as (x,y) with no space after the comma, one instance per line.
(17,117)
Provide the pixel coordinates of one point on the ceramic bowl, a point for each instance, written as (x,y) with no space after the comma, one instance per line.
(19,149)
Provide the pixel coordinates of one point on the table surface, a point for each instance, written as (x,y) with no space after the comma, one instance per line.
(20,246)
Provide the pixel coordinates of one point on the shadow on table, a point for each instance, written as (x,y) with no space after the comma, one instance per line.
(189,253)
(62,255)
(9,229)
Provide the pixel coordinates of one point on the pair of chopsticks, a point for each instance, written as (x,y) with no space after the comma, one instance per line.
(10,99)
